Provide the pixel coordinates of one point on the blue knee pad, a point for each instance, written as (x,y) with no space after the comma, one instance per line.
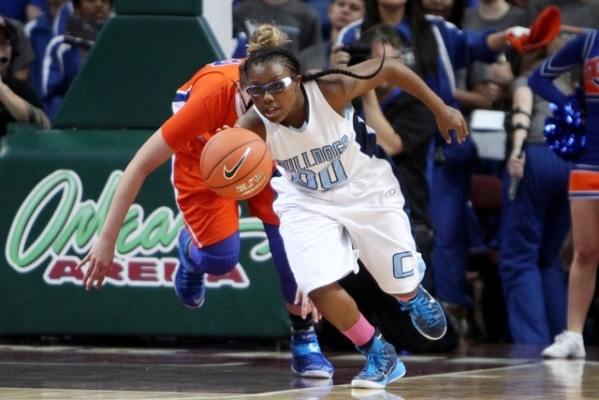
(217,259)
(277,249)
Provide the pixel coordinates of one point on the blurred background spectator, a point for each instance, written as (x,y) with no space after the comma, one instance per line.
(340,13)
(66,53)
(535,216)
(296,18)
(41,30)
(19,100)
(22,63)
(21,10)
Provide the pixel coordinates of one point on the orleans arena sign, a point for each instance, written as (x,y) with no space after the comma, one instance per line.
(74,223)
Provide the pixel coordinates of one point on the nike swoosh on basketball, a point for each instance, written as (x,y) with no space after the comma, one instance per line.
(229,174)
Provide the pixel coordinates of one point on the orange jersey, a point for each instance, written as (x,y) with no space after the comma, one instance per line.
(202,105)
(207,102)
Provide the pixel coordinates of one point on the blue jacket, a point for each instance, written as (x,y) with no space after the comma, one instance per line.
(61,65)
(40,32)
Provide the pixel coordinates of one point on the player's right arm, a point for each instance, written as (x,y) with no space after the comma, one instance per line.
(152,154)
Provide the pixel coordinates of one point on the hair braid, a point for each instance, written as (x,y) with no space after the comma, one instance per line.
(286,57)
(320,74)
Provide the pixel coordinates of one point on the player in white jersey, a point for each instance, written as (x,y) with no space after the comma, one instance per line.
(337,197)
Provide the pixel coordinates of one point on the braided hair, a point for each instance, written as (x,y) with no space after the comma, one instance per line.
(286,57)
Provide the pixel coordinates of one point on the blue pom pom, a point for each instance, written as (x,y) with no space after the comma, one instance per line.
(564,130)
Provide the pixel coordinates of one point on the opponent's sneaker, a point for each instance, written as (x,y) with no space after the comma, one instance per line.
(382,366)
(427,315)
(308,360)
(189,283)
(567,345)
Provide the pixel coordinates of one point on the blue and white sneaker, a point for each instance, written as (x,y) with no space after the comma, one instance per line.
(427,315)
(189,283)
(308,360)
(382,366)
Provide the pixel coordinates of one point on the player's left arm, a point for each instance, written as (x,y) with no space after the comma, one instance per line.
(448,118)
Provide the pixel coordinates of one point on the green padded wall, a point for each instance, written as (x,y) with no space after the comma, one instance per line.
(160,7)
(133,70)
(58,187)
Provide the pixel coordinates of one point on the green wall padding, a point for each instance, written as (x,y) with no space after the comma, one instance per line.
(160,7)
(134,69)
(57,188)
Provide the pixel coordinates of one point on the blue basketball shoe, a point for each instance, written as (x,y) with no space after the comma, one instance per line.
(382,366)
(308,360)
(189,283)
(427,315)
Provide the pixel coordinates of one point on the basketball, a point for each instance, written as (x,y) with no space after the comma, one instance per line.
(236,163)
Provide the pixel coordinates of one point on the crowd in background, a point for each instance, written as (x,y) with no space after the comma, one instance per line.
(522,281)
(517,290)
(53,38)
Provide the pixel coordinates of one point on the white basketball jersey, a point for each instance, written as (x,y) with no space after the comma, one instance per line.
(324,229)
(327,151)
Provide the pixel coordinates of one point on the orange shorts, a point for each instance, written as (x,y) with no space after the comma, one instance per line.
(213,218)
(584,184)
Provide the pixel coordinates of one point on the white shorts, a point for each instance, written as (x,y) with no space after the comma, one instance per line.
(321,230)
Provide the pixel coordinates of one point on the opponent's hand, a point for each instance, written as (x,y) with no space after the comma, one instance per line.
(307,306)
(99,259)
(451,119)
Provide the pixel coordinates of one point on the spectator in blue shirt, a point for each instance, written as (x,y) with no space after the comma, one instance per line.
(22,10)
(66,53)
(41,30)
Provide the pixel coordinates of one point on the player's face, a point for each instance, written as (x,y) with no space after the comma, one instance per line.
(273,88)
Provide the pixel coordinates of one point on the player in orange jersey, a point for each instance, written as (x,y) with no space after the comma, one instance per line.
(210,241)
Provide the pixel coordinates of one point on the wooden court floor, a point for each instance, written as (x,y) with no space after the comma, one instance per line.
(141,369)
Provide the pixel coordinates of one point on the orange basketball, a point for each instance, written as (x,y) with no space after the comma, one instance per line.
(236,163)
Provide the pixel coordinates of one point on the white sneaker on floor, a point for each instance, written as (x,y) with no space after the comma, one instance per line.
(567,345)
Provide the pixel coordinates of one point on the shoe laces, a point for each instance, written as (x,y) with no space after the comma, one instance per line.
(312,358)
(420,307)
(375,363)
(189,278)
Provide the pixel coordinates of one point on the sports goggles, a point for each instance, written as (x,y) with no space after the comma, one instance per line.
(273,87)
